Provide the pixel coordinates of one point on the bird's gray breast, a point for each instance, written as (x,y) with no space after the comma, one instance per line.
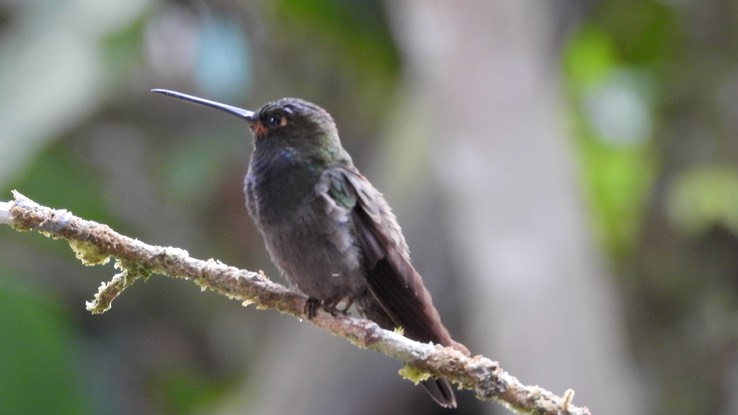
(277,185)
(312,242)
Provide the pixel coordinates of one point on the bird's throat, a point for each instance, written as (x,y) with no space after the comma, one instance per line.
(281,187)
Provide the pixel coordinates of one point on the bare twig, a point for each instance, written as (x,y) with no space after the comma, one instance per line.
(94,244)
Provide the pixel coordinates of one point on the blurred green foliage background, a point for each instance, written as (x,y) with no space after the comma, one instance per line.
(649,96)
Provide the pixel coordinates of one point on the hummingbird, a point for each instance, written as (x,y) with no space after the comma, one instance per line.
(327,229)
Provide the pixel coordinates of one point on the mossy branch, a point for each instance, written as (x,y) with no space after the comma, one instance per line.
(96,244)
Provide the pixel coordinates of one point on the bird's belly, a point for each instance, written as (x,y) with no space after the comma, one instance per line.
(317,255)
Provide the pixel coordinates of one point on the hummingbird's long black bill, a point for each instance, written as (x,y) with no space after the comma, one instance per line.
(238,112)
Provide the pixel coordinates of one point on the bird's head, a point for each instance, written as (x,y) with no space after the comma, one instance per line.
(292,119)
(288,122)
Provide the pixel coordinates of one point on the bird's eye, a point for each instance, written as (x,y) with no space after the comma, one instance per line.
(274,121)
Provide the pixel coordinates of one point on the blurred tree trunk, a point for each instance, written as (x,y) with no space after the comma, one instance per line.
(537,295)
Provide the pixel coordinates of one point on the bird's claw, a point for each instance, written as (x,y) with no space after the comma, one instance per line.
(311,307)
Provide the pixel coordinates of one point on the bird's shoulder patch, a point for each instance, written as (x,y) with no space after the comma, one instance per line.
(335,187)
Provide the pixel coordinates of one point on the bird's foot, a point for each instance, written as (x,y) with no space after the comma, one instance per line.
(311,307)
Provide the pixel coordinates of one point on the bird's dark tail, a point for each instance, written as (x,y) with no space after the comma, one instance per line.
(396,295)
(441,391)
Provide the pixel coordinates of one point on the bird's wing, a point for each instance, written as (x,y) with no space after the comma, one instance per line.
(391,278)
(397,294)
